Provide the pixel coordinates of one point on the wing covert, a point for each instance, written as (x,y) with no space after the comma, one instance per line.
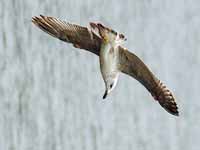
(79,36)
(132,65)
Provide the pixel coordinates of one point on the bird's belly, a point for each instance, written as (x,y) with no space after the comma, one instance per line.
(108,59)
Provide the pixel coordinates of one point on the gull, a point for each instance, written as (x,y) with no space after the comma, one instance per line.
(114,58)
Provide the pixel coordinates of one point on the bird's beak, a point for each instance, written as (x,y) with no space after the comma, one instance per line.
(105,94)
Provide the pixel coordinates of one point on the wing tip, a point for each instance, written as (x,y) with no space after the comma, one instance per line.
(169,104)
(173,109)
(37,18)
(166,99)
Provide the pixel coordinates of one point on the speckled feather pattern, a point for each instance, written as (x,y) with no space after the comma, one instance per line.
(77,35)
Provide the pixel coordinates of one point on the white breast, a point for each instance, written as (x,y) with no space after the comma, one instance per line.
(108,59)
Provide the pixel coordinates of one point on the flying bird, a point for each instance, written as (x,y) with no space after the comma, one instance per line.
(114,58)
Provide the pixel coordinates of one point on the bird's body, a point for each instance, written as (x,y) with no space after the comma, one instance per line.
(109,64)
(108,55)
(108,59)
(106,43)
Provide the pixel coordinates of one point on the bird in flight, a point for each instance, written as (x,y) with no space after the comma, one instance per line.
(114,58)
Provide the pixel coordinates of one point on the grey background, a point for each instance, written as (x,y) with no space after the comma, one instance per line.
(51,93)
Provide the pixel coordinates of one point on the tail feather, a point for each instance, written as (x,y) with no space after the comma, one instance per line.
(104,32)
(93,27)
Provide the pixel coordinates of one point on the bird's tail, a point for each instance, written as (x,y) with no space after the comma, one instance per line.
(104,32)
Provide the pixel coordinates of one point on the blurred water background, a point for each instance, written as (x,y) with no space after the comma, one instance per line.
(51,93)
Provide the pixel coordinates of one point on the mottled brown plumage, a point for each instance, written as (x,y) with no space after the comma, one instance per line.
(129,63)
(79,36)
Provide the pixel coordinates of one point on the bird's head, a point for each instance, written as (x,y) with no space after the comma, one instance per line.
(110,84)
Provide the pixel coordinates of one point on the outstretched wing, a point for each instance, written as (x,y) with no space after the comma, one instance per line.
(79,36)
(132,65)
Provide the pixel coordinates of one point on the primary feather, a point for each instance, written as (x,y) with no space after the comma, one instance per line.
(132,65)
(79,36)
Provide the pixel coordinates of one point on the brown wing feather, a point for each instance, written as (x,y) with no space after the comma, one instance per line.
(79,36)
(132,65)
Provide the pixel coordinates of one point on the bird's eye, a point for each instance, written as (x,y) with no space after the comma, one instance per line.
(111,85)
